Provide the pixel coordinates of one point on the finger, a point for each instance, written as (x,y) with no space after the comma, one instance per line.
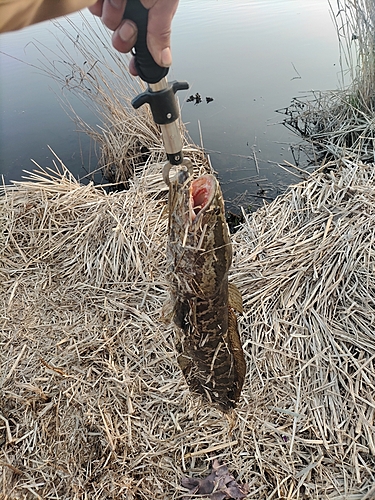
(112,13)
(125,36)
(96,9)
(132,69)
(159,30)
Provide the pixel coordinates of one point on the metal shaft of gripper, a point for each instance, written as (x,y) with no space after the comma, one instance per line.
(165,111)
(170,131)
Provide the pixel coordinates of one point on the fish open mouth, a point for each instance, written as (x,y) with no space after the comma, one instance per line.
(202,191)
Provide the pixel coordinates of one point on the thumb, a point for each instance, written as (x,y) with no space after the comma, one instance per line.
(160,17)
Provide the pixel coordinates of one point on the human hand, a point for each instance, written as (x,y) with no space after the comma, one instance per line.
(160,17)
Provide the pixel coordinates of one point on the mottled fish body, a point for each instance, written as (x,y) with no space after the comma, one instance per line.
(200,254)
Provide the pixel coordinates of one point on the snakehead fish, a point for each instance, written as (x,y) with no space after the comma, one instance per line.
(200,254)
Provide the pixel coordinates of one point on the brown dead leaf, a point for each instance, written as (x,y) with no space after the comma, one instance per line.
(218,485)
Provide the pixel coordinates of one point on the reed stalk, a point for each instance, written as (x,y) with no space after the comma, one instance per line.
(341,122)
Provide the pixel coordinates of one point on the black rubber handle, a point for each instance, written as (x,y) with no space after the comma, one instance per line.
(147,68)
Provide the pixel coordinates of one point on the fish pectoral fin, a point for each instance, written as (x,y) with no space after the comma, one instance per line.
(235,298)
(237,353)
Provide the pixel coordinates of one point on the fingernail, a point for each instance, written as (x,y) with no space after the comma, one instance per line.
(166,57)
(126,32)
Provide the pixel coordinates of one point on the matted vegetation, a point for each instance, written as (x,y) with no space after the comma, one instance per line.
(93,404)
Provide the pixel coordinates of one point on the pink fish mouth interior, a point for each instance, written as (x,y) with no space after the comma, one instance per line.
(202,191)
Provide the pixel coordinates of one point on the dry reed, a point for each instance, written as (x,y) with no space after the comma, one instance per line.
(93,404)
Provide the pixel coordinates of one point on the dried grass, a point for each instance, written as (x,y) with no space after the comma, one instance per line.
(335,124)
(93,404)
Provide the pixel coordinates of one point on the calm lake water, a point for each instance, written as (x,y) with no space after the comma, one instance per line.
(251,56)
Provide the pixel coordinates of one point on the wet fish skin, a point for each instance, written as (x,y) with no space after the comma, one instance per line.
(200,254)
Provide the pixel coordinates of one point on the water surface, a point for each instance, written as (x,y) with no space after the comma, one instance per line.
(250,56)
